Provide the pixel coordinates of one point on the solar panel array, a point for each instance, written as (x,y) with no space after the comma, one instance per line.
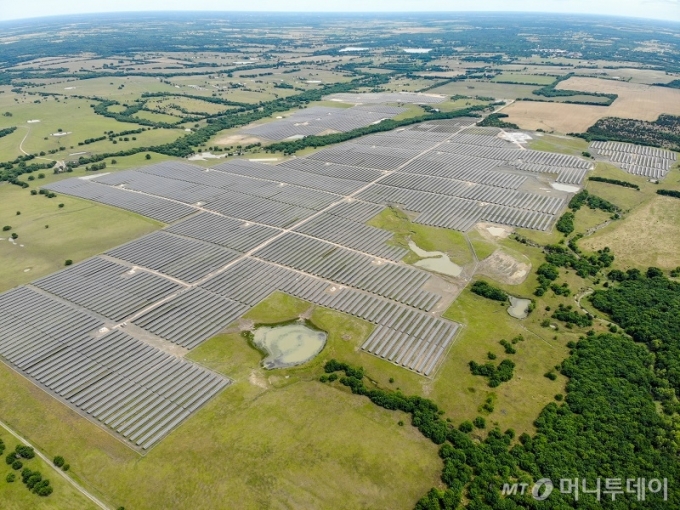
(387,97)
(157,208)
(108,288)
(320,119)
(127,386)
(637,159)
(242,230)
(188,260)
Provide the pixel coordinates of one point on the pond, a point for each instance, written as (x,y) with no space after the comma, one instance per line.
(289,344)
(436,261)
(519,307)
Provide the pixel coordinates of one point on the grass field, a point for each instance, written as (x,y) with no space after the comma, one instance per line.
(635,101)
(648,237)
(16,496)
(559,144)
(77,231)
(428,238)
(531,79)
(485,88)
(558,117)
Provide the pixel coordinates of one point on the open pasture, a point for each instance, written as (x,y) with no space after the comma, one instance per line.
(635,101)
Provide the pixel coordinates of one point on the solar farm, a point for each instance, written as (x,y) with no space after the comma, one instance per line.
(106,336)
(637,159)
(322,120)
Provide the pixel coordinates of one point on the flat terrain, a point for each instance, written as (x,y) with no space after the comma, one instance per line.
(275,440)
(646,238)
(16,496)
(77,231)
(559,117)
(635,101)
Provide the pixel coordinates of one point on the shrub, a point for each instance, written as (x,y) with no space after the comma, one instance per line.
(6,228)
(68,262)
(482,288)
(58,461)
(11,477)
(466,427)
(566,223)
(61,206)
(17,465)
(479,422)
(11,457)
(15,235)
(25,451)
(66,467)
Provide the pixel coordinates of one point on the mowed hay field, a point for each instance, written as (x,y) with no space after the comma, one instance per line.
(647,237)
(635,101)
(274,439)
(558,117)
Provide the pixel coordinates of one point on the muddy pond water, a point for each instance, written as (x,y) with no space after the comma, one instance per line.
(289,344)
(519,307)
(436,261)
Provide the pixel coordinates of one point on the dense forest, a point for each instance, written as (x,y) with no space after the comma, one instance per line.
(663,132)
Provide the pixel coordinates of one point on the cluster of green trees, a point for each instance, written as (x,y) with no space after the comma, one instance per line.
(663,132)
(668,193)
(616,182)
(547,273)
(593,201)
(60,462)
(36,483)
(566,223)
(566,313)
(495,374)
(585,265)
(7,131)
(14,459)
(494,120)
(485,289)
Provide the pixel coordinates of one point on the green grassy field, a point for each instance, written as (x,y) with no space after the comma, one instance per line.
(77,231)
(485,88)
(559,144)
(16,496)
(451,242)
(531,79)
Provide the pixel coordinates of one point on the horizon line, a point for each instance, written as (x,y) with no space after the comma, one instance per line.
(331,13)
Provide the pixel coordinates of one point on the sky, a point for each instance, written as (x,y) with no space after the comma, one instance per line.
(658,9)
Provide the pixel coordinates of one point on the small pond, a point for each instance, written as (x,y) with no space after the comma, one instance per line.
(519,307)
(436,261)
(288,344)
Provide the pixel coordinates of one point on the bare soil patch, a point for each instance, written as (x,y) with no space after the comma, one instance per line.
(236,139)
(504,268)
